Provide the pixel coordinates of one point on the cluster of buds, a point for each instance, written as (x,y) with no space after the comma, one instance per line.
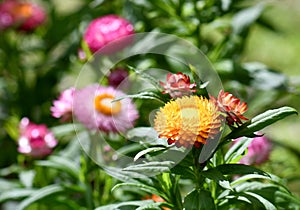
(24,16)
(35,140)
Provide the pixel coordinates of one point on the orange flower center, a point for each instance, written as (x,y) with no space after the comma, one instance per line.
(23,10)
(105,105)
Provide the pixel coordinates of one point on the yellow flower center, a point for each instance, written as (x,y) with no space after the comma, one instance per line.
(188,120)
(105,105)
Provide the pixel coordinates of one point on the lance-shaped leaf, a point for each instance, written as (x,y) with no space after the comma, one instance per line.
(261,121)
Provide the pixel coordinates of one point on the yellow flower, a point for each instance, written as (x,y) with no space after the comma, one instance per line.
(188,121)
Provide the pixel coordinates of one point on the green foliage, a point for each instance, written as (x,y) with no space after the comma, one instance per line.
(35,67)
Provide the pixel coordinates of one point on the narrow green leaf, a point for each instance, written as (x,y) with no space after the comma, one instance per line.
(145,188)
(151,206)
(15,194)
(261,121)
(218,177)
(198,200)
(127,176)
(150,78)
(142,95)
(126,204)
(148,150)
(239,169)
(40,194)
(267,204)
(237,149)
(62,164)
(243,19)
(151,168)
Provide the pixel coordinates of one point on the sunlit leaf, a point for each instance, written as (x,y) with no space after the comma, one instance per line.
(40,194)
(261,121)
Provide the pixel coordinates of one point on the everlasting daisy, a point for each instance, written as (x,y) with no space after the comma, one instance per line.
(35,140)
(232,107)
(62,108)
(188,121)
(178,85)
(94,107)
(104,30)
(25,16)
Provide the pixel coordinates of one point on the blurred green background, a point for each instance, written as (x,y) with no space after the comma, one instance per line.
(281,51)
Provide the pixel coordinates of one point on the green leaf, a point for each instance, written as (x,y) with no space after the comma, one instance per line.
(40,194)
(62,164)
(261,121)
(264,78)
(127,176)
(126,204)
(145,188)
(148,150)
(14,194)
(245,18)
(145,135)
(238,169)
(150,78)
(27,177)
(218,177)
(237,149)
(142,95)
(150,168)
(198,200)
(267,204)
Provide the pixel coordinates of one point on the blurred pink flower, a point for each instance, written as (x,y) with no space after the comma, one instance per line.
(35,140)
(178,85)
(62,108)
(25,16)
(117,76)
(258,151)
(94,108)
(104,30)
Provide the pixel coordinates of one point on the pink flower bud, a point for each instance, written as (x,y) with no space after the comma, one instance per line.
(117,76)
(35,140)
(178,85)
(107,29)
(62,108)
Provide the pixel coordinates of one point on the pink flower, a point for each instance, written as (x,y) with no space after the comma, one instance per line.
(106,29)
(117,76)
(178,85)
(94,107)
(22,15)
(258,151)
(35,140)
(62,108)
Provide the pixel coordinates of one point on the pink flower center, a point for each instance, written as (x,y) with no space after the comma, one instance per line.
(105,105)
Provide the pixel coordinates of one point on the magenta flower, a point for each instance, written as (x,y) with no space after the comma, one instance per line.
(178,85)
(106,29)
(117,76)
(62,108)
(35,140)
(25,16)
(258,151)
(94,107)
